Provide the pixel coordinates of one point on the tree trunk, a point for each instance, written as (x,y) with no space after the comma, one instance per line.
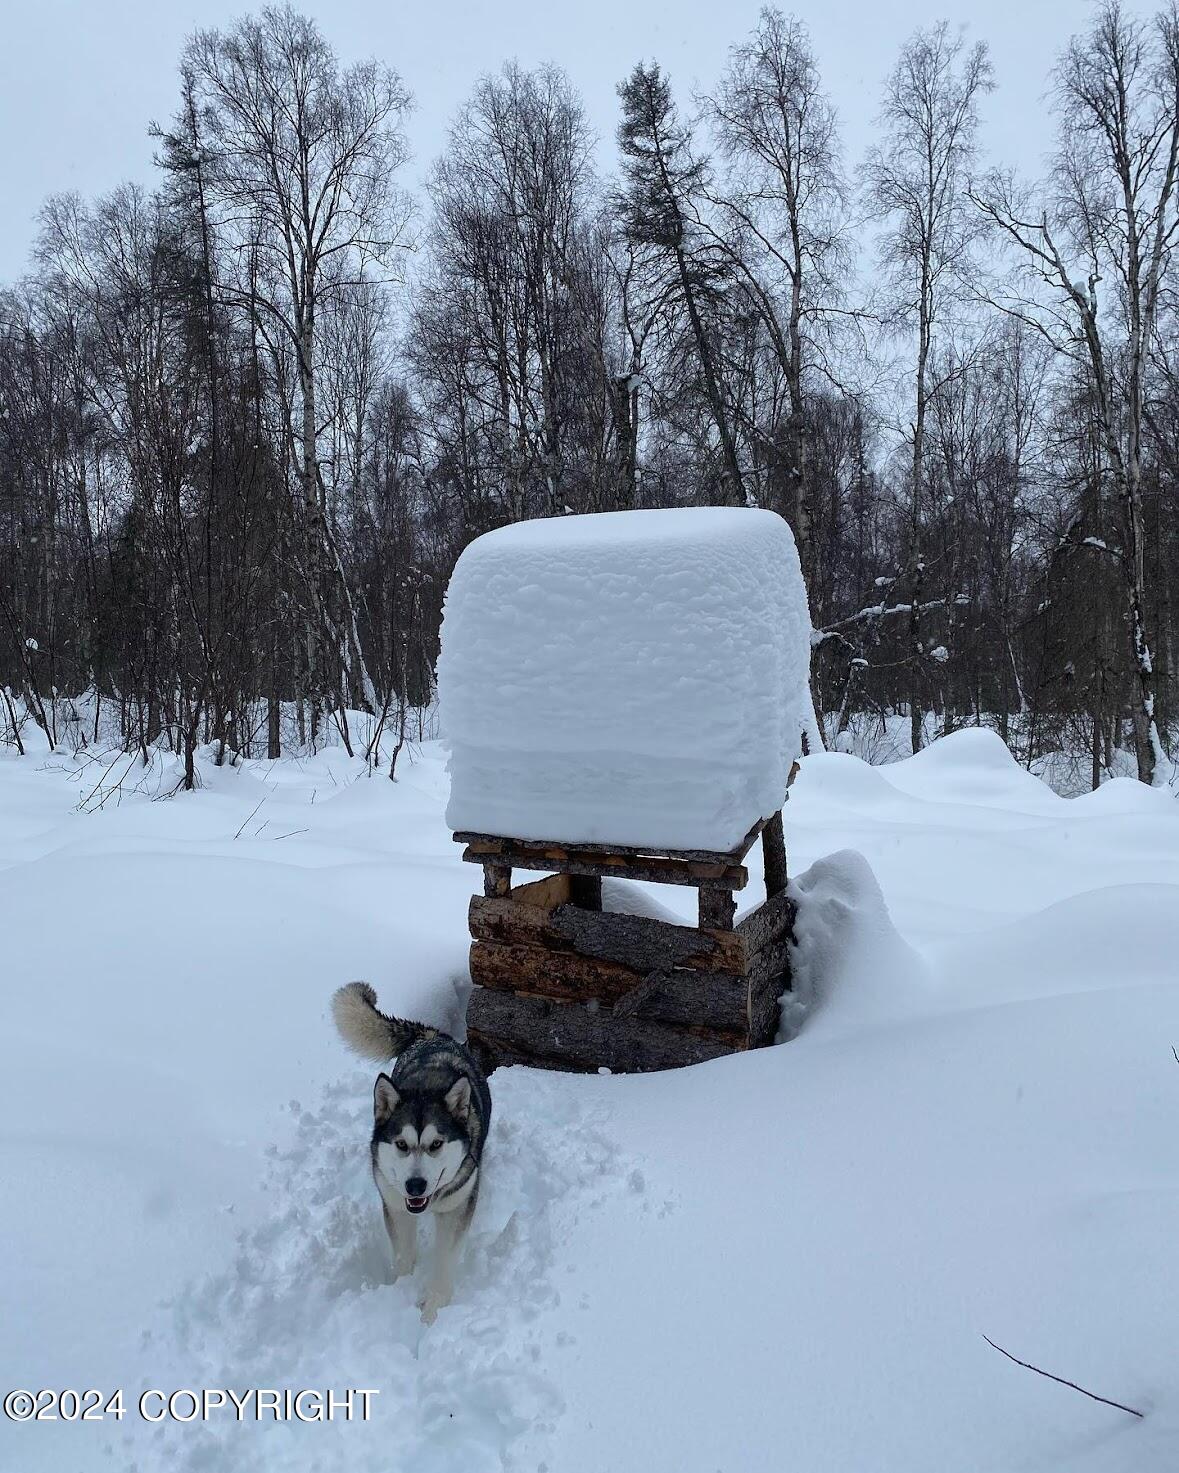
(711,384)
(916,654)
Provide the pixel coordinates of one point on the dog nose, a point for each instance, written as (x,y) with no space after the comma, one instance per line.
(415,1186)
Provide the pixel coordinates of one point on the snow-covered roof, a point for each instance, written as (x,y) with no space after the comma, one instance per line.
(632,677)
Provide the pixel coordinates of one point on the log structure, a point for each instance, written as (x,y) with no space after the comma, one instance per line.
(562,984)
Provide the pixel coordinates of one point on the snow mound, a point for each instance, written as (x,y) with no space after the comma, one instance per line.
(632,677)
(1107,939)
(970,766)
(975,748)
(1126,795)
(850,965)
(844,781)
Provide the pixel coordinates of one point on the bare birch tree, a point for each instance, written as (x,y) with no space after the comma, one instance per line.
(1111,221)
(784,204)
(916,180)
(301,158)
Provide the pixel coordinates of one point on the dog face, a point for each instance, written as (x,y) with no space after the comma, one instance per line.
(420,1138)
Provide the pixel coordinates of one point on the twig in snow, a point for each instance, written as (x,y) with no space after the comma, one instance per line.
(249,816)
(84,803)
(1092,1395)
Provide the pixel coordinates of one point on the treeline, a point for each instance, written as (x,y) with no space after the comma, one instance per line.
(249,419)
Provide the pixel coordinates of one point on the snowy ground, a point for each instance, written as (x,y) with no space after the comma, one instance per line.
(785,1260)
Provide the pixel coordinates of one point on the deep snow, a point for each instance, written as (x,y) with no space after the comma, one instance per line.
(785,1260)
(635,677)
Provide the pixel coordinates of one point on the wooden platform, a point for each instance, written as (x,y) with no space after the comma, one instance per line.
(562,984)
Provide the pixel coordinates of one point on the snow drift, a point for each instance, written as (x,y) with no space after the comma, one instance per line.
(850,968)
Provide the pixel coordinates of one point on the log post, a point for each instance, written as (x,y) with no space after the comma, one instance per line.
(773,848)
(497,881)
(717,909)
(586,891)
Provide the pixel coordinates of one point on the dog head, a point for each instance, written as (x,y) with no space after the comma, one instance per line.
(420,1138)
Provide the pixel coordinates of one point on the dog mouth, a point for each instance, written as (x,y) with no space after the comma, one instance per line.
(417,1204)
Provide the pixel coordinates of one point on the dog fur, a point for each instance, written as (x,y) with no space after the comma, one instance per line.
(430,1119)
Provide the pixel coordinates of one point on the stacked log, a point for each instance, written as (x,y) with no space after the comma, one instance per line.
(562,984)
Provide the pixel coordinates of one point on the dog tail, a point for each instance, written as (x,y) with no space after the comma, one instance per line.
(368,1031)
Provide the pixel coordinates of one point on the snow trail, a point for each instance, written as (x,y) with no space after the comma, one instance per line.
(307,1299)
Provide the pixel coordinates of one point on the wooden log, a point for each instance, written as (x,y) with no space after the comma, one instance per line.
(708,999)
(546,894)
(636,851)
(772,963)
(717,909)
(743,1009)
(768,981)
(766,1017)
(731,1003)
(515,1028)
(640,942)
(497,879)
(586,891)
(773,847)
(657,871)
(717,1002)
(771,921)
(560,974)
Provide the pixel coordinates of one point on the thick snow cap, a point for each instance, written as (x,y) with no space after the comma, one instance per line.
(635,677)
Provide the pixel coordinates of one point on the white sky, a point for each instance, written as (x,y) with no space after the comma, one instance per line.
(81,79)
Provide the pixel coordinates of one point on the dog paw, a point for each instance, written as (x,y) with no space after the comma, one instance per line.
(430,1306)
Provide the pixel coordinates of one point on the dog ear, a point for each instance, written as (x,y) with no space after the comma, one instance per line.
(458,1098)
(385,1098)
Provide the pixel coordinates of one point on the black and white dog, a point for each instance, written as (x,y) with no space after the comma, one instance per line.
(430,1118)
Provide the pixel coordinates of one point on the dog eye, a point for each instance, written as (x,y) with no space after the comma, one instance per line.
(436,1145)
(401,1146)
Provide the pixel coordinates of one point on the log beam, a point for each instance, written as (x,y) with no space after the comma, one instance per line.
(640,942)
(634,851)
(514,1028)
(718,1002)
(655,870)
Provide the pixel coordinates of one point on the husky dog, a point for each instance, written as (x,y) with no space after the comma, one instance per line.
(430,1118)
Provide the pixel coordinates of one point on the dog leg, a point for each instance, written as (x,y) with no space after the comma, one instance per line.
(451,1227)
(403,1235)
